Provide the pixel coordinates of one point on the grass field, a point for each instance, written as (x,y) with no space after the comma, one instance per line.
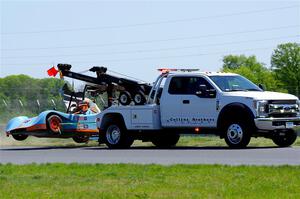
(148,181)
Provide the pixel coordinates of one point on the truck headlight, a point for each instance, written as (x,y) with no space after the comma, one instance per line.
(298,107)
(261,108)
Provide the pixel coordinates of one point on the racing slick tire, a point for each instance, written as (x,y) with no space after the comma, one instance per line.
(139,98)
(165,140)
(19,137)
(237,133)
(116,136)
(124,98)
(81,138)
(54,124)
(285,139)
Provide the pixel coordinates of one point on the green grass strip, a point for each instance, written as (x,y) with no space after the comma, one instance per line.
(148,181)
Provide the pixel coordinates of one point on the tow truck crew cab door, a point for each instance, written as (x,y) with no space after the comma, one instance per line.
(189,101)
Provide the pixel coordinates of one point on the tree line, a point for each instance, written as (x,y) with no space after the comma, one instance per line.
(21,94)
(282,75)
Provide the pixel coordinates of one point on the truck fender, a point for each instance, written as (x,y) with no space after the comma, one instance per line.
(109,117)
(234,110)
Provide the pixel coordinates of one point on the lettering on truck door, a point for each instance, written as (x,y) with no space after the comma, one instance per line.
(196,110)
(170,107)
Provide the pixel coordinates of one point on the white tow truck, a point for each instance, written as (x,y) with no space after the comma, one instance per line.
(184,101)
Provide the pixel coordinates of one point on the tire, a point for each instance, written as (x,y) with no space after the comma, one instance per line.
(237,133)
(286,139)
(81,138)
(116,136)
(20,137)
(124,98)
(54,124)
(165,140)
(139,98)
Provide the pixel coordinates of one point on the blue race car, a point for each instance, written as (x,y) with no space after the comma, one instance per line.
(55,124)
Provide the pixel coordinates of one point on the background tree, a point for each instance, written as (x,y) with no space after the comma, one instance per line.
(253,70)
(285,62)
(27,89)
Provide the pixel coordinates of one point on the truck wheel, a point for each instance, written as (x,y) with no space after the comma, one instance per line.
(19,137)
(285,139)
(139,98)
(124,98)
(81,138)
(237,134)
(54,124)
(116,136)
(165,141)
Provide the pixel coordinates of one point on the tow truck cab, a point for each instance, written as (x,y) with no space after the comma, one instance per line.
(225,104)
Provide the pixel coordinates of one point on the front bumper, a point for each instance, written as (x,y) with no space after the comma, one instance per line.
(270,124)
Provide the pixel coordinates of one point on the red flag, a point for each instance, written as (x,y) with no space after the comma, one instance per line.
(52,72)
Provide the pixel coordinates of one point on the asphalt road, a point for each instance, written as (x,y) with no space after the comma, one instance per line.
(148,155)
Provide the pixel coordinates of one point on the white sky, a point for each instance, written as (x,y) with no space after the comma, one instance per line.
(137,37)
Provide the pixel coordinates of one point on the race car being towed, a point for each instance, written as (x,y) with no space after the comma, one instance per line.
(56,124)
(53,124)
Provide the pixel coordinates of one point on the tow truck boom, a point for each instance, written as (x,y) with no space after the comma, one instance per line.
(130,89)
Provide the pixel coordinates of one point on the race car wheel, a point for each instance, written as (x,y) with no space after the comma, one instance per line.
(237,134)
(165,140)
(54,123)
(19,137)
(81,138)
(116,136)
(124,98)
(285,139)
(139,98)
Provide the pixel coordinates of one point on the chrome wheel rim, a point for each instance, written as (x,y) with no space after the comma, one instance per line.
(123,99)
(235,133)
(138,98)
(113,134)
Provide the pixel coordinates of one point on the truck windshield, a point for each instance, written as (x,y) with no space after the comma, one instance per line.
(234,83)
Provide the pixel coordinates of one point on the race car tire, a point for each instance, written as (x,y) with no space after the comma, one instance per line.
(165,140)
(54,124)
(139,98)
(285,140)
(124,98)
(19,137)
(116,136)
(81,138)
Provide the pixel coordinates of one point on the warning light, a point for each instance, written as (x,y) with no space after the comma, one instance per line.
(167,70)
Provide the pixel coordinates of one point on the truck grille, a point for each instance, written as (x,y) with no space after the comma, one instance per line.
(282,108)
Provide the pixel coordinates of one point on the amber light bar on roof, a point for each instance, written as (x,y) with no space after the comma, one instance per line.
(167,70)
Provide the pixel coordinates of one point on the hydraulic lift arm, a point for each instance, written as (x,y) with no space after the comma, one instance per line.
(133,90)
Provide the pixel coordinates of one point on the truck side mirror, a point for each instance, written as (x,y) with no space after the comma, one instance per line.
(262,87)
(202,87)
(204,92)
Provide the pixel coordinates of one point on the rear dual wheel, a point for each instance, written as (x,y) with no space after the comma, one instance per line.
(138,98)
